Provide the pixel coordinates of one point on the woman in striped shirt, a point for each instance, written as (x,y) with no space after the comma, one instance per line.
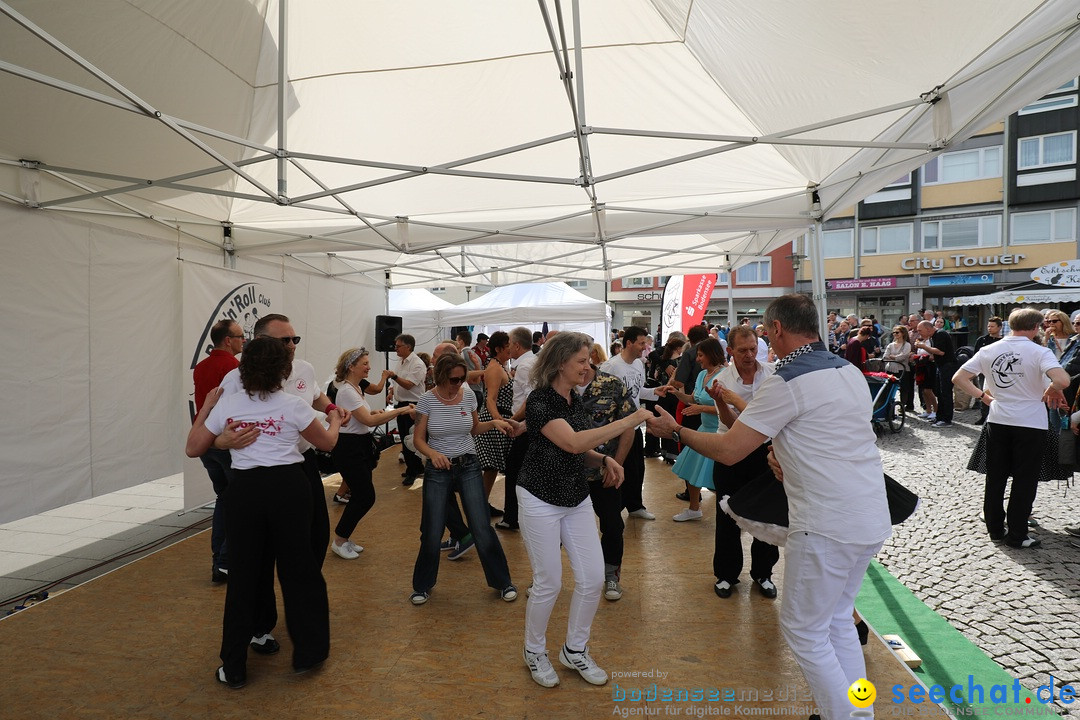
(446,422)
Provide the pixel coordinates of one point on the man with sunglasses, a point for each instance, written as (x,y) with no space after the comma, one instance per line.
(228,339)
(301,383)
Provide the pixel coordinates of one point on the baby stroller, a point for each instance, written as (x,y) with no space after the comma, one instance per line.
(888,409)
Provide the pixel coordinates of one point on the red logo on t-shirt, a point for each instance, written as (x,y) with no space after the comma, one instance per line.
(300,385)
(270,426)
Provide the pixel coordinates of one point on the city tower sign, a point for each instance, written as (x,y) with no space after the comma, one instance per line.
(959,261)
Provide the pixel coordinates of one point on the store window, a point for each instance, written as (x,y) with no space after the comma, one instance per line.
(578,284)
(962,233)
(885,239)
(1041,227)
(758,272)
(963,166)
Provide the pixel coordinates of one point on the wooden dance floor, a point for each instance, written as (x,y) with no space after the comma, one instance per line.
(142,642)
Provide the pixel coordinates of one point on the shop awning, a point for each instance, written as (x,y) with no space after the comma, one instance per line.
(1021,296)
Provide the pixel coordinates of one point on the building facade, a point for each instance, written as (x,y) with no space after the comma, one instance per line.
(977,218)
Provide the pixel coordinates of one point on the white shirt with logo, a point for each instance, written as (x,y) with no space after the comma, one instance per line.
(300,383)
(523,384)
(1015,369)
(280,418)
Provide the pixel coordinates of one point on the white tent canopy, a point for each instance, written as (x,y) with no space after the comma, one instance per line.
(500,141)
(1021,296)
(531,305)
(421,315)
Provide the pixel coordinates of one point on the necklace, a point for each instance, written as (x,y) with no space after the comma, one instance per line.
(448,400)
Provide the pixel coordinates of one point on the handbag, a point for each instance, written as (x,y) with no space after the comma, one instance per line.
(1066,447)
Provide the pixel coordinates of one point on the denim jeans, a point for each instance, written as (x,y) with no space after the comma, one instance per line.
(463,476)
(218,464)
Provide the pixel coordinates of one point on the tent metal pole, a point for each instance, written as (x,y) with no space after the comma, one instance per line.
(763,140)
(282,125)
(730,293)
(817,283)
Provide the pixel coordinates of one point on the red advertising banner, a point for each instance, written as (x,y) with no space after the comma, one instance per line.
(686,297)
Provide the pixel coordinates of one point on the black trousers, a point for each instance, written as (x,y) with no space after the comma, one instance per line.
(945,374)
(634,475)
(268,522)
(320,516)
(607,504)
(414,466)
(728,551)
(352,458)
(514,458)
(1015,451)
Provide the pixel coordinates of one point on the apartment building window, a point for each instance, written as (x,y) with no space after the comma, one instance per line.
(1046,226)
(962,233)
(963,166)
(886,239)
(638,282)
(578,284)
(838,243)
(438,290)
(899,189)
(1049,102)
(663,280)
(1047,150)
(758,272)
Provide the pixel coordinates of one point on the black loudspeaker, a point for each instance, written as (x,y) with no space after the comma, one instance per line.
(387,328)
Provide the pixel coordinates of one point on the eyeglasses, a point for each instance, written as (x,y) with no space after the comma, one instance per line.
(456,380)
(1076,322)
(898,333)
(290,340)
(237,337)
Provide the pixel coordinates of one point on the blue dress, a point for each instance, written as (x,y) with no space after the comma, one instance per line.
(690,466)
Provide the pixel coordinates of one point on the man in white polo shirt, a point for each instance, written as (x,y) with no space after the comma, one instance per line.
(408,378)
(817,410)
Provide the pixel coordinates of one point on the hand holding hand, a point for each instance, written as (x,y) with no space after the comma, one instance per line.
(643,415)
(663,390)
(504,427)
(661,424)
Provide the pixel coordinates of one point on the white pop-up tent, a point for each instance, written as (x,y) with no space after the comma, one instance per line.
(324,144)
(501,141)
(531,305)
(421,314)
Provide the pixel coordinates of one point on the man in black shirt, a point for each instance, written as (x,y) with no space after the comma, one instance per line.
(940,345)
(993,334)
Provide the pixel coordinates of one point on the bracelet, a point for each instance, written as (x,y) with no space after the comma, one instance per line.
(603,462)
(330,407)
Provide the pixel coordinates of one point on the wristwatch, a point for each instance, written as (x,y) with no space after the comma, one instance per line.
(675,435)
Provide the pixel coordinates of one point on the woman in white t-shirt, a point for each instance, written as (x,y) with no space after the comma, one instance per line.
(355,455)
(268,509)
(446,422)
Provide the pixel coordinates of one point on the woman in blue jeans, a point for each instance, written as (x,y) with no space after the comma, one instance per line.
(446,422)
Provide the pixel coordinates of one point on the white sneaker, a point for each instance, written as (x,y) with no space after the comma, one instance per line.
(931,416)
(643,514)
(344,550)
(687,514)
(541,669)
(584,664)
(354,547)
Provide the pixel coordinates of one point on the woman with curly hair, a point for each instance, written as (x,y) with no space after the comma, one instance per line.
(355,455)
(268,508)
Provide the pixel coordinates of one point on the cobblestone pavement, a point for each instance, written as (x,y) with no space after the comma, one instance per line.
(1021,607)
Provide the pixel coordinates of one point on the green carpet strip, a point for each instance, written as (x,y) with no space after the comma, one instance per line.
(949,659)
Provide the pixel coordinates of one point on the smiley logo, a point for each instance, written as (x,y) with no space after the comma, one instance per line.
(862,693)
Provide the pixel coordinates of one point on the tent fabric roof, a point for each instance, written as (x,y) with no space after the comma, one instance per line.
(501,141)
(415,300)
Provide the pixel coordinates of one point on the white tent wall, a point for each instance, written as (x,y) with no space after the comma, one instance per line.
(531,305)
(91,316)
(421,314)
(94,397)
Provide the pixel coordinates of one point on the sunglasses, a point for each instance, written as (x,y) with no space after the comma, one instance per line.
(290,340)
(456,380)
